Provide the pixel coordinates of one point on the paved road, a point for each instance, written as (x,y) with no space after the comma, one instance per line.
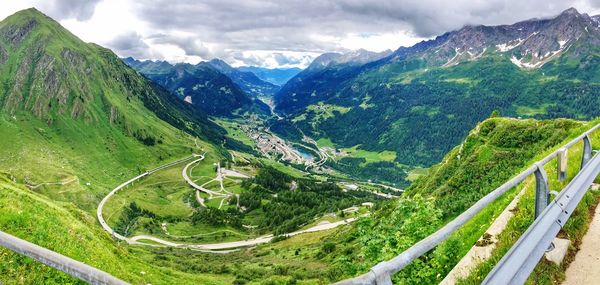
(242,243)
(189,181)
(216,247)
(99,213)
(584,270)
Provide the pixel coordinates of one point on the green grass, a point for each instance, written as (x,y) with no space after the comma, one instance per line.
(234,131)
(415,173)
(325,111)
(528,111)
(545,272)
(163,193)
(370,156)
(64,228)
(325,142)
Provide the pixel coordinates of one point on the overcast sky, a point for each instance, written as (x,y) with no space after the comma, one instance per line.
(276,33)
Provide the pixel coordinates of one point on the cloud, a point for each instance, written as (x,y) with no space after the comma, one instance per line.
(69,9)
(191,45)
(275,32)
(132,44)
(325,25)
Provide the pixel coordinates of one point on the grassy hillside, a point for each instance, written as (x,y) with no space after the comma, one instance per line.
(492,153)
(64,228)
(73,112)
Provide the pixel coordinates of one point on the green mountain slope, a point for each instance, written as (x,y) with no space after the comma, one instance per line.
(422,100)
(76,121)
(492,153)
(68,230)
(67,105)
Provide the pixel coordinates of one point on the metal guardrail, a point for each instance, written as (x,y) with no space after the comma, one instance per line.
(516,266)
(70,266)
(381,273)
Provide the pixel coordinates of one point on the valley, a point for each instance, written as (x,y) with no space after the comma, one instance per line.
(209,171)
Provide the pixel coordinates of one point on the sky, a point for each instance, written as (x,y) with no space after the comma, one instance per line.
(276,33)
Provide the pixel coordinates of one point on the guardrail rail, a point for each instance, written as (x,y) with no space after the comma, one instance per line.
(70,266)
(550,217)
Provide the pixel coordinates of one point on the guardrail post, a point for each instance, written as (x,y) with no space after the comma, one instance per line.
(382,276)
(587,151)
(542,191)
(562,164)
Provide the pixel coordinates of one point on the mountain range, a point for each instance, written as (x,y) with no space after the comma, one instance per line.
(420,101)
(76,121)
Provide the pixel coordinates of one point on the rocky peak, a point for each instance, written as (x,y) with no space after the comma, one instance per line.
(538,40)
(221,65)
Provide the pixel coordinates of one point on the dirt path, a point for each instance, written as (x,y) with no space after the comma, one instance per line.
(584,269)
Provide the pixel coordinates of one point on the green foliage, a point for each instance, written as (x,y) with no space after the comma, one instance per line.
(285,208)
(488,158)
(494,152)
(217,217)
(129,216)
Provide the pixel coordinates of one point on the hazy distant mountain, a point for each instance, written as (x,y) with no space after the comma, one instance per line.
(277,76)
(201,85)
(246,80)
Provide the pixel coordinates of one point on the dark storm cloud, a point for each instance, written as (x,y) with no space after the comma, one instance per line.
(70,9)
(229,26)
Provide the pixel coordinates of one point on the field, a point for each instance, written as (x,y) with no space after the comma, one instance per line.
(370,156)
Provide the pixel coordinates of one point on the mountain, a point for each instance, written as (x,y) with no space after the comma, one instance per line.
(277,76)
(202,85)
(76,121)
(64,78)
(246,80)
(323,75)
(419,101)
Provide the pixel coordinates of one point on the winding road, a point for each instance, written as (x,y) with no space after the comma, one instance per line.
(224,247)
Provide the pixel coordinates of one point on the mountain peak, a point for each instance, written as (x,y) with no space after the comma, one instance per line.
(570,11)
(220,65)
(28,15)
